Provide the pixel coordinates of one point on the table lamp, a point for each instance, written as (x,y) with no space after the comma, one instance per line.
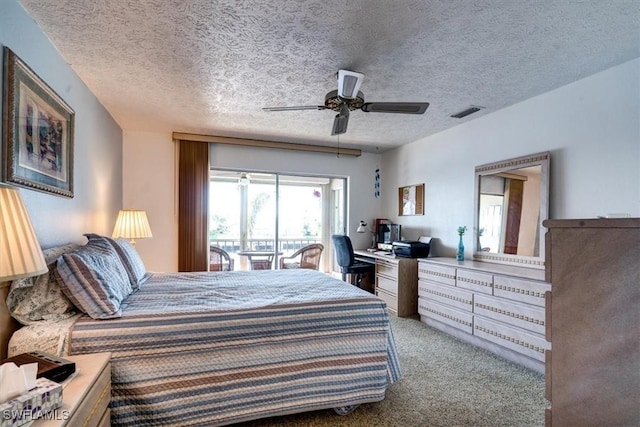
(362,228)
(20,252)
(132,224)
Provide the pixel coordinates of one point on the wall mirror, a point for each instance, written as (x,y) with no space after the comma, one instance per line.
(511,201)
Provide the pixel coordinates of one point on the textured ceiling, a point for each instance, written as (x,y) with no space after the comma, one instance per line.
(206,66)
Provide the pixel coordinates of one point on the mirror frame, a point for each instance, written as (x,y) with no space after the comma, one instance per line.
(543,159)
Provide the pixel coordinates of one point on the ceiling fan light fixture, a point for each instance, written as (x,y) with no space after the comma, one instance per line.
(349,83)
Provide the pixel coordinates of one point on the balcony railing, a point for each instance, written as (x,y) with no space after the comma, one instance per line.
(287,246)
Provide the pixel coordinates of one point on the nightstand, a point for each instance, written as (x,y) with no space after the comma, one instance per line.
(86,396)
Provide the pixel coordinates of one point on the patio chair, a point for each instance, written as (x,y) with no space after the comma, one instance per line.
(219,259)
(307,257)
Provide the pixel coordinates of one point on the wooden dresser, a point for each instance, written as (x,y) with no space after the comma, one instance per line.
(500,308)
(593,369)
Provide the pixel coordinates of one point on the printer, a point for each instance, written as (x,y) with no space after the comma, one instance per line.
(411,249)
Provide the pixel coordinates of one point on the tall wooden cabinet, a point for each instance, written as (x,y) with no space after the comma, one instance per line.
(593,322)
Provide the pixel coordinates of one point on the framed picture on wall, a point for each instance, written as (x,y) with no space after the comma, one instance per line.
(38,127)
(411,200)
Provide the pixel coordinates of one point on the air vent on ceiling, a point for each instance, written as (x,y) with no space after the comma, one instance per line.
(465,113)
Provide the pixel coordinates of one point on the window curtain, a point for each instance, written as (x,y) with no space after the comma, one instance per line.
(193,206)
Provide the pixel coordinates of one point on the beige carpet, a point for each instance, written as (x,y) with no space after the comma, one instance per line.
(446,382)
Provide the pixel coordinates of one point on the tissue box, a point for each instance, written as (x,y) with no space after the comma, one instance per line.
(44,397)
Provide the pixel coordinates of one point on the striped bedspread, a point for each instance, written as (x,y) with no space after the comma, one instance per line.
(220,348)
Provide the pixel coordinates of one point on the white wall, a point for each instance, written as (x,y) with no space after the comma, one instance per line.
(150,177)
(98,141)
(591,127)
(149,164)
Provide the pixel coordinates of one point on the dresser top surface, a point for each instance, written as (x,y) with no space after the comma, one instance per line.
(488,267)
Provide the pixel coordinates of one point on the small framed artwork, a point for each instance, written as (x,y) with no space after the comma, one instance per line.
(38,127)
(411,200)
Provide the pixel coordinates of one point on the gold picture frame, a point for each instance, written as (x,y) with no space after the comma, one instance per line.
(37,131)
(411,200)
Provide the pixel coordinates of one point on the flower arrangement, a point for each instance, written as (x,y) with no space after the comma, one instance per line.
(461,230)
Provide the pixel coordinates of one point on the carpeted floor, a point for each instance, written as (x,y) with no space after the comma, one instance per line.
(446,382)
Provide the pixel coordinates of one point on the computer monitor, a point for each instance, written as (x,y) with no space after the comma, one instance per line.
(388,233)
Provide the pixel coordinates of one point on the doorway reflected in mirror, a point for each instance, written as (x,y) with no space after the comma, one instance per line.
(509,212)
(511,201)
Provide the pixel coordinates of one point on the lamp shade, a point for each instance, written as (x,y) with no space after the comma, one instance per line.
(20,253)
(362,227)
(132,224)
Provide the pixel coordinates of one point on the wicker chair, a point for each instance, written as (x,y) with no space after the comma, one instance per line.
(307,257)
(219,260)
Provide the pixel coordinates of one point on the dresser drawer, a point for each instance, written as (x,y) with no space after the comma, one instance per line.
(446,314)
(529,291)
(391,300)
(437,273)
(475,281)
(389,285)
(449,295)
(387,268)
(518,340)
(516,314)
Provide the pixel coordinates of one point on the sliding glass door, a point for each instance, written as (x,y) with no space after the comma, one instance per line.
(259,217)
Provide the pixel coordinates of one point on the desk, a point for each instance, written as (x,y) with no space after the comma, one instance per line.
(264,259)
(396,280)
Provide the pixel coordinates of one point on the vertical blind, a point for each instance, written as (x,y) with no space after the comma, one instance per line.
(193,206)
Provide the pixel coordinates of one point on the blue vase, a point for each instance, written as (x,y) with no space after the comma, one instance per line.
(460,256)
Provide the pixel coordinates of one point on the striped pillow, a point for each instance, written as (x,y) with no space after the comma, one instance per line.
(132,262)
(135,263)
(94,279)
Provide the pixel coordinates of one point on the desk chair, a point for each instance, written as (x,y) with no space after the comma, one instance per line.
(307,257)
(219,259)
(347,262)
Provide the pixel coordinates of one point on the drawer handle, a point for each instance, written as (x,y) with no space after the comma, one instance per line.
(475,281)
(437,274)
(511,339)
(446,316)
(520,291)
(445,295)
(510,314)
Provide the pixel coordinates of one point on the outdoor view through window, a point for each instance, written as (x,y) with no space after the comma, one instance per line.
(265,216)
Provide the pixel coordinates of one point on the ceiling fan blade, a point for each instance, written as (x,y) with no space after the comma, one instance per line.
(341,121)
(395,107)
(297,108)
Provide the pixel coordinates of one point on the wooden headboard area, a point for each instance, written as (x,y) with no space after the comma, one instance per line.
(8,325)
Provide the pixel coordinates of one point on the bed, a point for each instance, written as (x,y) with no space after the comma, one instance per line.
(224,347)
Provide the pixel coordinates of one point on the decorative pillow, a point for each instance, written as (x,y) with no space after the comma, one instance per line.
(94,279)
(38,298)
(137,265)
(130,259)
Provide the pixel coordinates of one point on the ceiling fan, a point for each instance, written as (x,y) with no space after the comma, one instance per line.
(349,98)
